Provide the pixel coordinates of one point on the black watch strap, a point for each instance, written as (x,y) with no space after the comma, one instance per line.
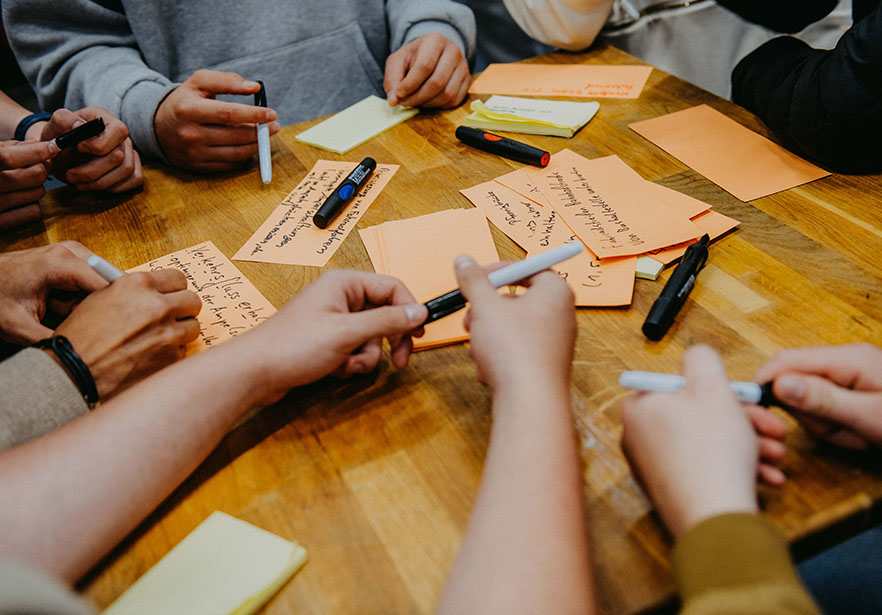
(21,130)
(74,365)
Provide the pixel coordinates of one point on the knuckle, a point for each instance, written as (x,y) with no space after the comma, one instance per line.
(425,65)
(5,157)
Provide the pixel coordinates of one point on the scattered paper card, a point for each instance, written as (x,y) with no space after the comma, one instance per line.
(355,125)
(420,252)
(558,118)
(224,567)
(289,237)
(740,161)
(610,207)
(230,303)
(575,80)
(710,223)
(535,228)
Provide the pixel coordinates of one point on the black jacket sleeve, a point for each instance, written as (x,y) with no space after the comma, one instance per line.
(781,15)
(824,105)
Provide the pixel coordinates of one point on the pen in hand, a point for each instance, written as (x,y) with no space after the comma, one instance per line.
(106,270)
(747,392)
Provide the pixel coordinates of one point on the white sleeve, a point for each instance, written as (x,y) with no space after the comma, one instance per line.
(568,24)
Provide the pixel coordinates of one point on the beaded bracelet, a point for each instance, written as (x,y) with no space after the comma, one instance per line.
(74,365)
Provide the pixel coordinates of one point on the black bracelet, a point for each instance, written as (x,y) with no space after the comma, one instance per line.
(75,366)
(21,130)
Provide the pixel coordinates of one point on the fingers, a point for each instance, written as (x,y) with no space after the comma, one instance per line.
(183,304)
(424,53)
(473,282)
(446,64)
(367,289)
(132,181)
(20,198)
(27,329)
(104,171)
(19,216)
(704,372)
(848,366)
(219,82)
(771,475)
(65,271)
(15,155)
(396,67)
(115,132)
(365,359)
(766,423)
(185,331)
(165,280)
(386,321)
(210,111)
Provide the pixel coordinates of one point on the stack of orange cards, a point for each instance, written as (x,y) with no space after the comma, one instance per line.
(617,214)
(420,252)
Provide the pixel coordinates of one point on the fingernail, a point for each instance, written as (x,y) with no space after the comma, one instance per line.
(789,388)
(462,261)
(250,84)
(416,313)
(270,115)
(53,149)
(78,123)
(393,100)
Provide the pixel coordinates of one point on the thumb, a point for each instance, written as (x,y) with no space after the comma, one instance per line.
(23,328)
(858,410)
(386,321)
(473,282)
(218,82)
(74,274)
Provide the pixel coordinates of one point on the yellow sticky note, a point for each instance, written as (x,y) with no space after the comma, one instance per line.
(557,118)
(225,566)
(356,124)
(648,268)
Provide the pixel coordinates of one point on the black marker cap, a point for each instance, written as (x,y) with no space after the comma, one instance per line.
(501,146)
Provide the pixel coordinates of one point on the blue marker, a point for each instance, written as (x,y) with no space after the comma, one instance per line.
(344,192)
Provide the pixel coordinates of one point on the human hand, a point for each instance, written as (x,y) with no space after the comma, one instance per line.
(695,450)
(429,71)
(106,162)
(525,339)
(200,133)
(834,391)
(133,328)
(24,166)
(28,278)
(335,325)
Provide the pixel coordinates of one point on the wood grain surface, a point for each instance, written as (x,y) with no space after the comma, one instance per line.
(375,476)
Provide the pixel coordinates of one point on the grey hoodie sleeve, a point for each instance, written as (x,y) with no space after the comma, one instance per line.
(409,19)
(79,53)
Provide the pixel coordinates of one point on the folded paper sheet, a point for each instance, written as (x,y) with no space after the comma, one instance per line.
(224,567)
(578,81)
(355,125)
(230,303)
(559,118)
(611,207)
(420,252)
(289,237)
(740,161)
(536,229)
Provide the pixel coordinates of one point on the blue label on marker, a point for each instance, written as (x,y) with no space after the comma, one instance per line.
(346,191)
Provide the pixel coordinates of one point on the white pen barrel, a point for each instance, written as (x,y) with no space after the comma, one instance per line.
(263,146)
(533,265)
(104,269)
(652,381)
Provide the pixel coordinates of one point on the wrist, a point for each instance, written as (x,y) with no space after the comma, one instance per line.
(35,132)
(25,123)
(707,506)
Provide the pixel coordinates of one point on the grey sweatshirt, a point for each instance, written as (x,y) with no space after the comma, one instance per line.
(127,55)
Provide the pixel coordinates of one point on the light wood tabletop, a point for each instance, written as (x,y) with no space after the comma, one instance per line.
(375,476)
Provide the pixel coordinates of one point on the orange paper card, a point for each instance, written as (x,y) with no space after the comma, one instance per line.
(536,229)
(740,161)
(710,222)
(230,303)
(580,81)
(289,237)
(420,252)
(610,207)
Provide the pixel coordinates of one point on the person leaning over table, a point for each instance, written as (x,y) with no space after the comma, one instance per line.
(696,40)
(122,332)
(171,421)
(825,105)
(107,162)
(142,60)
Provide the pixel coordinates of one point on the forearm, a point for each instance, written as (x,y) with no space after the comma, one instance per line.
(70,496)
(568,24)
(526,546)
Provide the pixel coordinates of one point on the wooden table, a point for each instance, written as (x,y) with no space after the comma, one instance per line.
(376,476)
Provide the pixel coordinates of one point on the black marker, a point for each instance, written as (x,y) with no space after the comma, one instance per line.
(674,294)
(74,137)
(343,193)
(507,148)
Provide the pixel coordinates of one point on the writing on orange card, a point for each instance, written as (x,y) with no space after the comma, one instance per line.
(580,81)
(536,229)
(610,207)
(289,237)
(524,183)
(740,161)
(230,303)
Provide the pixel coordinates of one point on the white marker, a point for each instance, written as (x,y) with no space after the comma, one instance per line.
(748,392)
(263,140)
(104,269)
(453,301)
